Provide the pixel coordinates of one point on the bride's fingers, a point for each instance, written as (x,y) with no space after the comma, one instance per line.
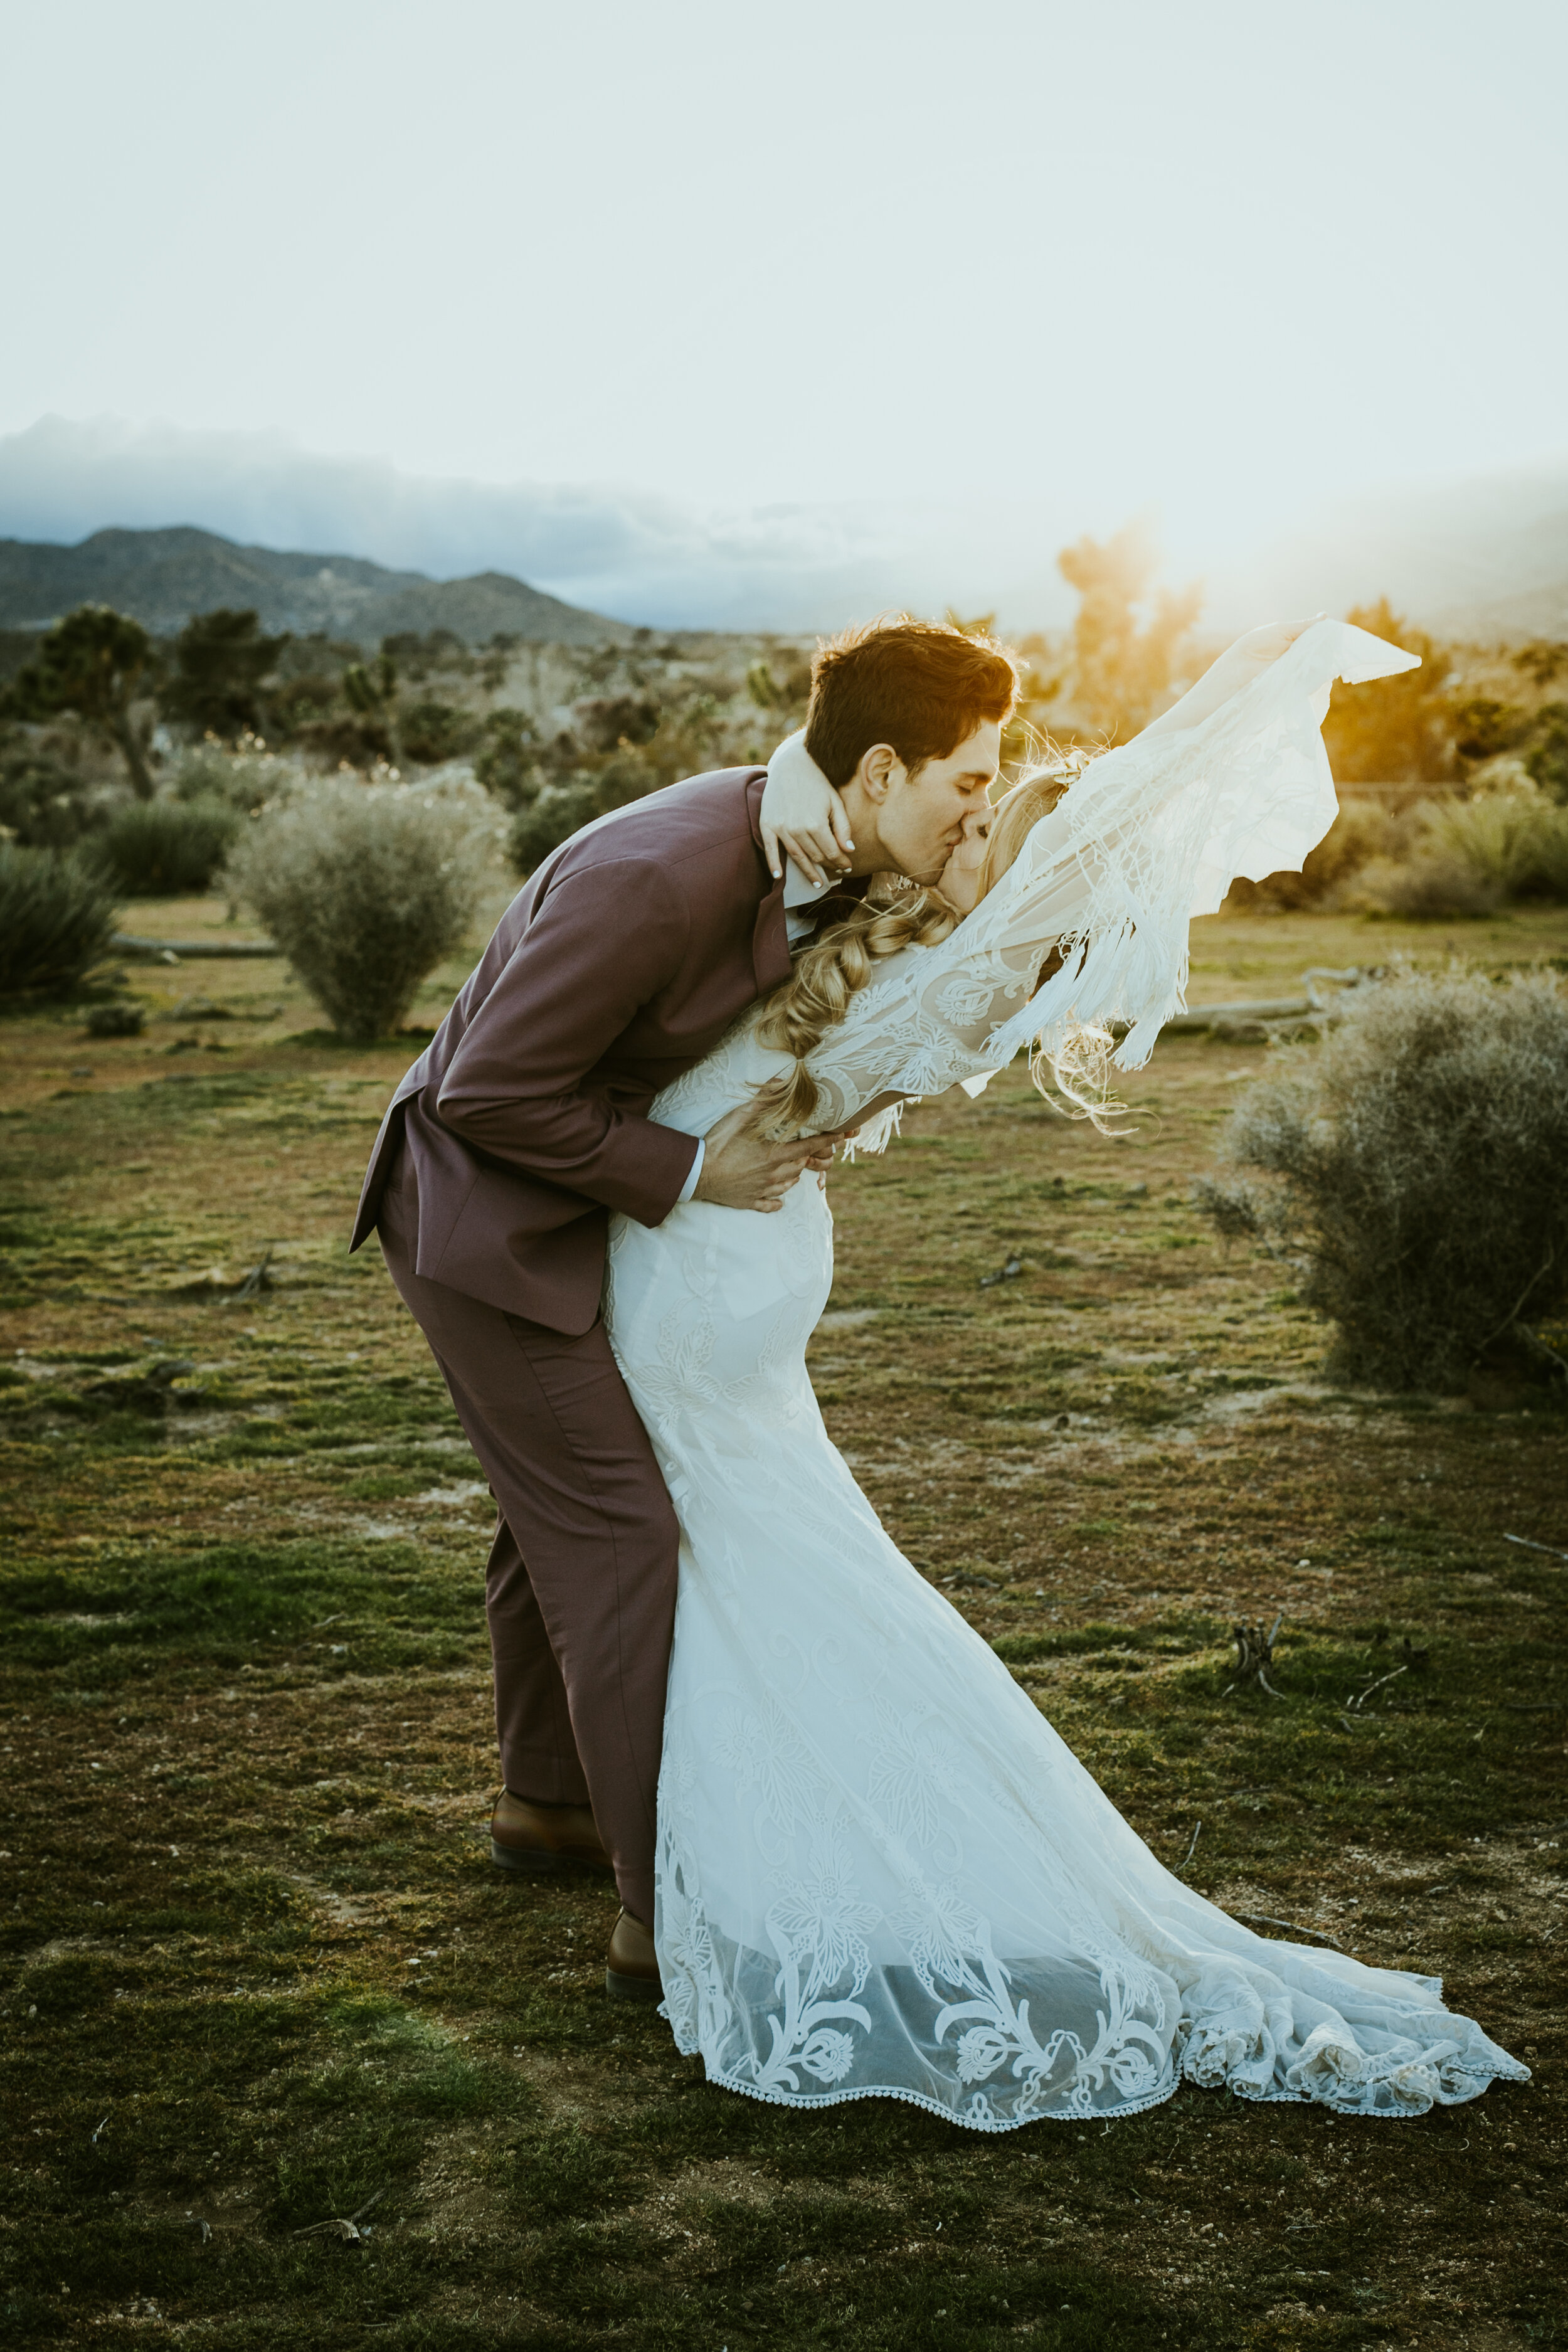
(826,847)
(794,846)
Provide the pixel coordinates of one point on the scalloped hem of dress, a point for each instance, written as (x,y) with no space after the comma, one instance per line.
(1099,2114)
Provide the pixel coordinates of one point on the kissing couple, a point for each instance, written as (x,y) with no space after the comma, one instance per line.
(854,1859)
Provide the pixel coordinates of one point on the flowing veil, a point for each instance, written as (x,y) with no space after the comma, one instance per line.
(1148,836)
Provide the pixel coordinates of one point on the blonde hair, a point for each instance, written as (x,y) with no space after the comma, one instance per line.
(817,995)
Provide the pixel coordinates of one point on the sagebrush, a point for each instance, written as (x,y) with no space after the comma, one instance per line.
(245,779)
(57,920)
(165,848)
(366,888)
(1419,1164)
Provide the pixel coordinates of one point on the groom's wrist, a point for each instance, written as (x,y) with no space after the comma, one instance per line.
(693,1175)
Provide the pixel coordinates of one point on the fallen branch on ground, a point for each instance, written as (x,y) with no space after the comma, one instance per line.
(1294,1927)
(1393,1676)
(176,950)
(1551,1549)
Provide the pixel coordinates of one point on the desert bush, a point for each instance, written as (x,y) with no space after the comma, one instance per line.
(609,722)
(354,740)
(1516,839)
(1418,1158)
(548,820)
(165,848)
(561,810)
(44,804)
(365,888)
(1466,857)
(433,732)
(302,700)
(56,918)
(509,763)
(243,779)
(1546,761)
(1426,886)
(120,1019)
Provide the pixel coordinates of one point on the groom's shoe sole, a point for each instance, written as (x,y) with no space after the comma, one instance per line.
(620,1988)
(531,1862)
(538,1861)
(637,1976)
(544,1838)
(540,1852)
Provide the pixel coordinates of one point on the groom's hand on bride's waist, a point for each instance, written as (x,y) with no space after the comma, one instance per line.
(744,1169)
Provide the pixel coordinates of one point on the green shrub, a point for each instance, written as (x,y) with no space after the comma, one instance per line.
(507,765)
(243,780)
(1546,761)
(121,1019)
(366,888)
(1419,1158)
(44,804)
(1516,840)
(557,812)
(433,731)
(165,848)
(1430,885)
(564,808)
(352,741)
(56,918)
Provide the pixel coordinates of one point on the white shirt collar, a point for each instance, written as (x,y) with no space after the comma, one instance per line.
(798,890)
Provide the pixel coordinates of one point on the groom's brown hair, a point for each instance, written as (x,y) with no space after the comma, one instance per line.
(921,686)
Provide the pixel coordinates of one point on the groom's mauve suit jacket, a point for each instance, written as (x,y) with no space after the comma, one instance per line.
(619,964)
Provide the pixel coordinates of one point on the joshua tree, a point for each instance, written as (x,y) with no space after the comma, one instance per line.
(1122,671)
(371,689)
(95,663)
(220,661)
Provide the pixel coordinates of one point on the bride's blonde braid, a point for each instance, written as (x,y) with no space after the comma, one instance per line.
(817,995)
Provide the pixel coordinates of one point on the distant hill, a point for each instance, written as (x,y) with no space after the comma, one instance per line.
(162,577)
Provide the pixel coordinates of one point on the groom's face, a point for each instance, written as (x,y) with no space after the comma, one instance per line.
(924,816)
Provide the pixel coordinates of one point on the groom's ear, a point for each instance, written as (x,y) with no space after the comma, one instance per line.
(875,771)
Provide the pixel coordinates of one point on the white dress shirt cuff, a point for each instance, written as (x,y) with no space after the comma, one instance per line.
(693,1173)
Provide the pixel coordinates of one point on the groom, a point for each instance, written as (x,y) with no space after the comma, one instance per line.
(619,964)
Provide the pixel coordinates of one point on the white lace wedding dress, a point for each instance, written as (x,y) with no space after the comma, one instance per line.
(879,1871)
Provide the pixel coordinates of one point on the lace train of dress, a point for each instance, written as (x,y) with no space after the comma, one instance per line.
(881,1873)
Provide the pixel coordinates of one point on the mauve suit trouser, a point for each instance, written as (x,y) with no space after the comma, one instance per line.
(580,1589)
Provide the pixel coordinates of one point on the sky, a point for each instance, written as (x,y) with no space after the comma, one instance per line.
(723,294)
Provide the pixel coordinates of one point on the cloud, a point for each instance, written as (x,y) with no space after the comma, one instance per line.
(1442,551)
(619,550)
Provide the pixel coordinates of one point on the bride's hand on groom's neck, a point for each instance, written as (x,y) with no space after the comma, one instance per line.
(802,817)
(744,1169)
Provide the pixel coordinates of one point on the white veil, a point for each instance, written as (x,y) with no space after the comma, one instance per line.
(1148,836)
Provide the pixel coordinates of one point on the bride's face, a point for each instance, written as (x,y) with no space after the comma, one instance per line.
(959,881)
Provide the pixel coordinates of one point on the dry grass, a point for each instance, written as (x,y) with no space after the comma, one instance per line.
(245,1700)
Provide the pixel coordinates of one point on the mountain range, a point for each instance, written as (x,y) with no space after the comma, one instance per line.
(162,577)
(1480,558)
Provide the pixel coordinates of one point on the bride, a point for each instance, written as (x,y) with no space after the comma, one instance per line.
(879,1871)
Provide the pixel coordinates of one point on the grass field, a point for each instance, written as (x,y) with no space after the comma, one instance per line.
(259,1973)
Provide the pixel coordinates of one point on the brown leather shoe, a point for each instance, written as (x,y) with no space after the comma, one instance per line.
(631,1971)
(526,1836)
